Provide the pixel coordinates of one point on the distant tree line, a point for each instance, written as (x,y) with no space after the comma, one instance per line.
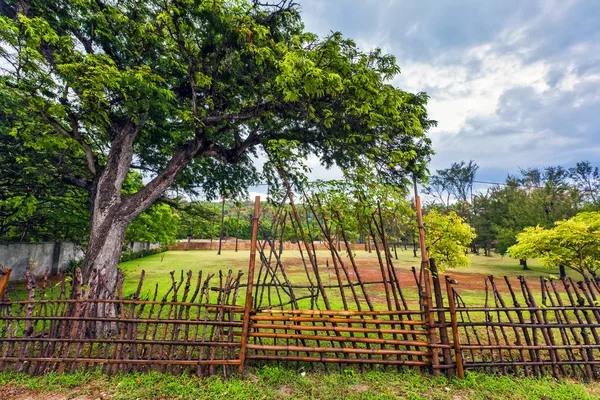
(534,197)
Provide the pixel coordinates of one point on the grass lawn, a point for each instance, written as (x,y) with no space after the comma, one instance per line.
(284,383)
(471,279)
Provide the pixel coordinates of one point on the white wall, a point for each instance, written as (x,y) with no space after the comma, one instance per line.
(51,256)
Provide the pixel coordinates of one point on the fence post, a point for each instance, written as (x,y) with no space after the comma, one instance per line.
(455,341)
(249,299)
(426,279)
(439,304)
(4,275)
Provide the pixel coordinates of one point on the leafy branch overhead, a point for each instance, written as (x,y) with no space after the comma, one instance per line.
(211,79)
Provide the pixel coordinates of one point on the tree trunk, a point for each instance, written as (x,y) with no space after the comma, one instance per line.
(228,225)
(108,218)
(523,263)
(221,228)
(563,272)
(100,262)
(237,231)
(110,214)
(414,246)
(108,221)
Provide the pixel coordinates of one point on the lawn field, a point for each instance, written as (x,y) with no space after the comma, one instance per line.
(471,279)
(282,383)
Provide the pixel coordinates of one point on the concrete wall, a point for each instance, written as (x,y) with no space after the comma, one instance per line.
(136,247)
(52,256)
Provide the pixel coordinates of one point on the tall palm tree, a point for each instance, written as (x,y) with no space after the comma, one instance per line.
(238,207)
(222,219)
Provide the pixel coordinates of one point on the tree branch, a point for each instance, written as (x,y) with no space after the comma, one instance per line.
(81,183)
(235,117)
(199,146)
(138,202)
(90,158)
(233,155)
(74,134)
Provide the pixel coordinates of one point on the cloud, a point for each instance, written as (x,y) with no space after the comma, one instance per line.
(512,83)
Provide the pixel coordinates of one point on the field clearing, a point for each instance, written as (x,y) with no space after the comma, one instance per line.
(471,279)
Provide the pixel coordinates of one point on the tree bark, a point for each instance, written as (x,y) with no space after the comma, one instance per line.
(563,272)
(221,228)
(109,217)
(110,214)
(237,231)
(414,246)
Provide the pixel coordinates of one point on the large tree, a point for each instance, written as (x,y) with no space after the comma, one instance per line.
(586,179)
(184,91)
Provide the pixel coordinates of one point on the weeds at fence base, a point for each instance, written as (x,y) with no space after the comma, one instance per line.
(277,382)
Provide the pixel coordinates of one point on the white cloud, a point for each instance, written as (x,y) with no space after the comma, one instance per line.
(511,84)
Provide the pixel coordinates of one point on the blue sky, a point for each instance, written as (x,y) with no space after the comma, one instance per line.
(512,83)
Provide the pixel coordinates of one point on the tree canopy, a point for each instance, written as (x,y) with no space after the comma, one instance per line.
(572,243)
(447,239)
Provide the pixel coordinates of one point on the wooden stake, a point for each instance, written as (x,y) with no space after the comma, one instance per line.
(460,372)
(249,301)
(429,316)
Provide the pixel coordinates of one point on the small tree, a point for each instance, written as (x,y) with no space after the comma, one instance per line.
(447,238)
(572,243)
(221,225)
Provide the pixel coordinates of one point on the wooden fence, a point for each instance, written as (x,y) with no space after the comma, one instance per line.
(551,330)
(199,326)
(192,327)
(220,323)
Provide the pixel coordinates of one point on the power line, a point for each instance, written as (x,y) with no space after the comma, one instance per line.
(492,183)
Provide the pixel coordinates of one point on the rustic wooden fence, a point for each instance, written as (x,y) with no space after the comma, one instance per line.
(550,329)
(220,323)
(192,327)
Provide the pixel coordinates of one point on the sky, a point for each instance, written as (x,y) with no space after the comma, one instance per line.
(513,84)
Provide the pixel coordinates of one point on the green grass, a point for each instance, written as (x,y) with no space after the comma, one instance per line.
(158,267)
(286,383)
